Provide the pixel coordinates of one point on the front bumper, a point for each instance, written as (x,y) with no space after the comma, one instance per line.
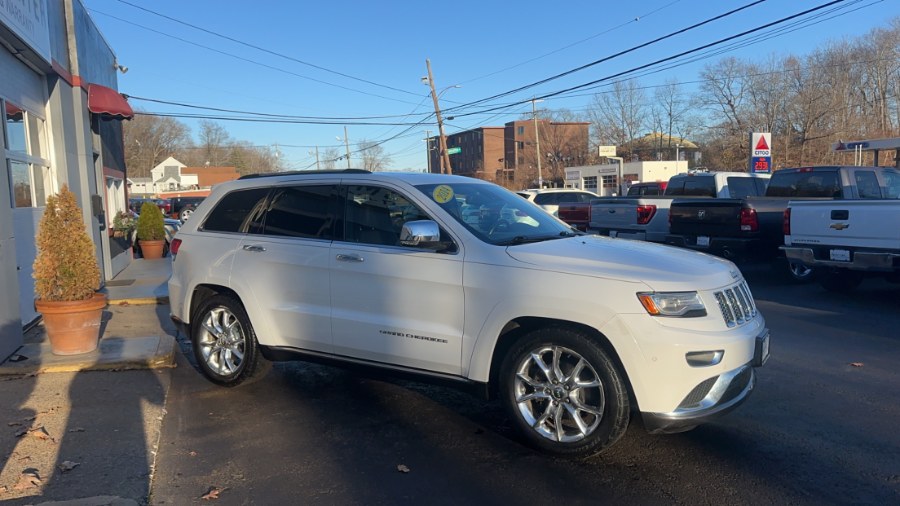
(713,397)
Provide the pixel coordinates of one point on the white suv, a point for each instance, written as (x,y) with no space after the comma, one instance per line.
(550,198)
(426,274)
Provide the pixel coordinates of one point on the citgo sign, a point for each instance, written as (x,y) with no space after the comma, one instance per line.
(761,153)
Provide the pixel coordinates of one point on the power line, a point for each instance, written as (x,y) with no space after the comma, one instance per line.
(604,32)
(264,50)
(612,56)
(273,120)
(248,60)
(666,59)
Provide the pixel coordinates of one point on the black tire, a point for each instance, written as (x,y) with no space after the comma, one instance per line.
(225,344)
(840,280)
(603,409)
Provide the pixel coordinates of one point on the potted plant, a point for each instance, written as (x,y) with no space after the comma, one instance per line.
(123,224)
(67,278)
(151,231)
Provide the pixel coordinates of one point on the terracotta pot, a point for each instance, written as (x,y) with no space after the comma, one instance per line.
(152,250)
(73,327)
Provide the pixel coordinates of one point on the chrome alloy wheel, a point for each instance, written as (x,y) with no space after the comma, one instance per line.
(559,394)
(221,341)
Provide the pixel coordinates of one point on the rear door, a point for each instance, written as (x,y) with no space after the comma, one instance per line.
(284,262)
(394,304)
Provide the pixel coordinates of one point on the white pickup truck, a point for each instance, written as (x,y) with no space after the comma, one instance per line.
(845,239)
(647,218)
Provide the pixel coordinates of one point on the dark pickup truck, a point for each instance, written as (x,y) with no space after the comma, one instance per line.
(752,227)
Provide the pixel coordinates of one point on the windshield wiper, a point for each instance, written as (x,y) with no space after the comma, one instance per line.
(523,239)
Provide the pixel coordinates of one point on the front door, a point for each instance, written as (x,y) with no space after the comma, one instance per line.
(390,303)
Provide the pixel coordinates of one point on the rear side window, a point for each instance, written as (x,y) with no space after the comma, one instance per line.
(805,184)
(700,187)
(740,187)
(237,212)
(546,199)
(303,211)
(867,185)
(891,184)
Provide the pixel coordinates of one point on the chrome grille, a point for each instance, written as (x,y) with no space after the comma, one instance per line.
(736,304)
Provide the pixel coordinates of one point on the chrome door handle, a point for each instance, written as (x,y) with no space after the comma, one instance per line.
(254,248)
(349,258)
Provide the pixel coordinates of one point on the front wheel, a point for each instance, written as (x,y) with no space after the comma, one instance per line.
(225,344)
(564,393)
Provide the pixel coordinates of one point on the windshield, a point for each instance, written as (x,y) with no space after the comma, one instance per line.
(494,214)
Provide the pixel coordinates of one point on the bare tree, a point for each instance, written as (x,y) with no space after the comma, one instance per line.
(329,158)
(214,140)
(618,116)
(149,140)
(373,156)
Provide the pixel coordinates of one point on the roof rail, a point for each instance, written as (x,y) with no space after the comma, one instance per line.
(305,173)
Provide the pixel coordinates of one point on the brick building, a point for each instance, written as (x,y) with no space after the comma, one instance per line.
(507,155)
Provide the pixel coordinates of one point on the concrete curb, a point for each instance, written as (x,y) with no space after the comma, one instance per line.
(112,354)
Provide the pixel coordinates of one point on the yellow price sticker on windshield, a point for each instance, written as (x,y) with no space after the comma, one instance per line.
(443,194)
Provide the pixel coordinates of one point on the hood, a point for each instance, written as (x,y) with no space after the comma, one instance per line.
(662,268)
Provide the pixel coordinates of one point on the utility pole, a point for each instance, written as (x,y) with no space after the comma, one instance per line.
(317,157)
(537,141)
(428,148)
(347,145)
(445,157)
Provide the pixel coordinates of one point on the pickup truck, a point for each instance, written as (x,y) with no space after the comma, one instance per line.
(751,228)
(183,207)
(845,239)
(646,217)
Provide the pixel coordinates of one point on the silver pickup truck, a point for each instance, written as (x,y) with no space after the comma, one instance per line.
(846,239)
(647,218)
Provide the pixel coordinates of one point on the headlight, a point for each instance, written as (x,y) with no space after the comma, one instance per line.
(684,304)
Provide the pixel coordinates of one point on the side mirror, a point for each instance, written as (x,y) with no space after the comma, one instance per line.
(422,233)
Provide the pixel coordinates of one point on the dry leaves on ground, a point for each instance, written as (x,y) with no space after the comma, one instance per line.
(41,433)
(213,493)
(402,468)
(856,364)
(77,429)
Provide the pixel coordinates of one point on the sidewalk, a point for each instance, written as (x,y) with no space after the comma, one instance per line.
(85,435)
(125,343)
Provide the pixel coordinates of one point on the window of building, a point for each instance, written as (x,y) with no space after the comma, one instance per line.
(590,183)
(609,181)
(521,130)
(25,145)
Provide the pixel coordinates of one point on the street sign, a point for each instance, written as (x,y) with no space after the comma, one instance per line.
(454,150)
(606,150)
(761,153)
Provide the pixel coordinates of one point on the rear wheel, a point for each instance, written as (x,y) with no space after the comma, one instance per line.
(840,280)
(185,213)
(225,344)
(564,393)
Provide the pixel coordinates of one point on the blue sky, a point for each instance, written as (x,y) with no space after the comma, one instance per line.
(485,47)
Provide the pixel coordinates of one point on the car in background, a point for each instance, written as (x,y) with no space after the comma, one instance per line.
(183,207)
(550,198)
(163,204)
(171,225)
(652,188)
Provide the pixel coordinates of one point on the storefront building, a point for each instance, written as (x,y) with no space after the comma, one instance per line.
(61,126)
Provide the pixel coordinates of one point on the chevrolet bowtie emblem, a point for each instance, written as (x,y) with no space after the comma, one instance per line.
(840,226)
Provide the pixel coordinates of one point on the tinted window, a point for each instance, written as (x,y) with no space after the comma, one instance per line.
(375,215)
(805,184)
(545,199)
(237,211)
(740,187)
(675,187)
(700,187)
(302,211)
(867,185)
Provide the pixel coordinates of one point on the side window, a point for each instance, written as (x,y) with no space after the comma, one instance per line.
(762,184)
(867,185)
(238,212)
(302,211)
(891,184)
(375,215)
(543,199)
(675,188)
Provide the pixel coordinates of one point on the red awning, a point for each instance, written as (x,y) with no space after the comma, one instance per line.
(107,101)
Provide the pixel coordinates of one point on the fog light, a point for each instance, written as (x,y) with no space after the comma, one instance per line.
(704,358)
